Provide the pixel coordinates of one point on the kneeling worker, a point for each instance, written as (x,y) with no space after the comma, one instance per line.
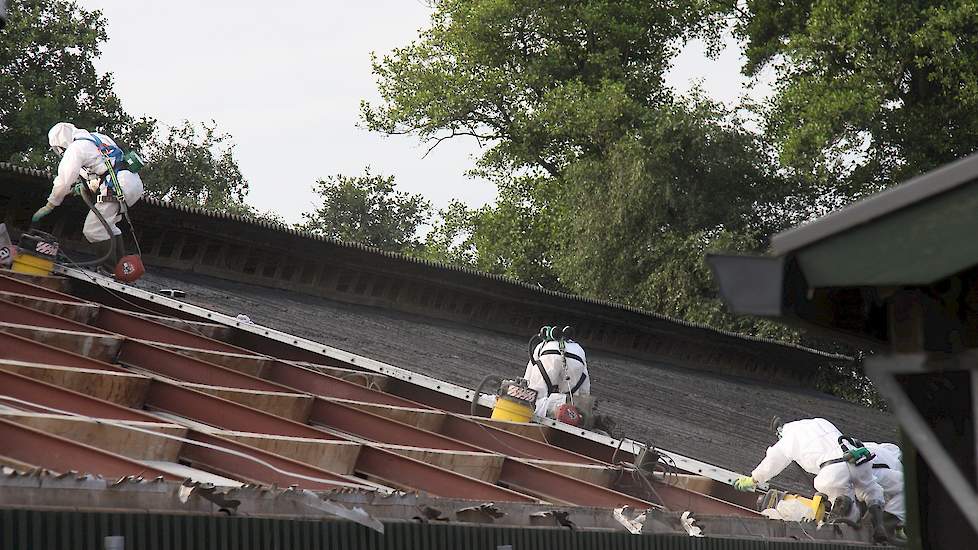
(557,368)
(96,160)
(841,472)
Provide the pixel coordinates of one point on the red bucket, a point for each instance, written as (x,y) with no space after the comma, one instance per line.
(129,269)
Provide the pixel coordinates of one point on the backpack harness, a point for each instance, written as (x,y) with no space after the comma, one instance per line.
(547,335)
(115,159)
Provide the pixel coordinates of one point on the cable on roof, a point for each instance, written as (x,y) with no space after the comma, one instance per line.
(219,448)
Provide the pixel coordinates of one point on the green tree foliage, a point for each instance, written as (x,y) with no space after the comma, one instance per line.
(542,82)
(47,75)
(868,92)
(368,210)
(608,185)
(195,166)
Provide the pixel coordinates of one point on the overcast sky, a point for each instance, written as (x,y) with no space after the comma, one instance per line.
(286,78)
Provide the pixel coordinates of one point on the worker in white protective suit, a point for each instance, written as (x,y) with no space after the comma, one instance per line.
(816,445)
(87,157)
(888,470)
(557,368)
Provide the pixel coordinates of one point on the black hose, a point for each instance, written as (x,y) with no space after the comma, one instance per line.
(112,237)
(478,391)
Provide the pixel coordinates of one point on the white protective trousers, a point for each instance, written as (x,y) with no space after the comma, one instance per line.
(572,377)
(132,189)
(890,478)
(845,479)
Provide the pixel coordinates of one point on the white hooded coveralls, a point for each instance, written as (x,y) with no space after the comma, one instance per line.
(809,443)
(566,379)
(889,478)
(82,160)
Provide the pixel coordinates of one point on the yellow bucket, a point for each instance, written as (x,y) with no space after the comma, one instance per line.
(25,262)
(511,410)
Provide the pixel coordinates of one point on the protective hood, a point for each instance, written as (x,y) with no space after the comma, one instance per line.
(62,134)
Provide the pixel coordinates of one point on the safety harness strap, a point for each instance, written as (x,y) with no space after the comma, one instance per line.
(551,388)
(580,382)
(833,461)
(878,466)
(566,354)
(112,155)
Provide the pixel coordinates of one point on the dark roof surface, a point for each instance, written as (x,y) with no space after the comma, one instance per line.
(42,177)
(714,418)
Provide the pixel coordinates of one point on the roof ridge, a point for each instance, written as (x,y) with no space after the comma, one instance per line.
(449,267)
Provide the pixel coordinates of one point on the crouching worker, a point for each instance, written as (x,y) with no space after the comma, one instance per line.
(557,368)
(842,468)
(94,161)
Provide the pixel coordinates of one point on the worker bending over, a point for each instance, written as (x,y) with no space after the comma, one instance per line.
(557,368)
(97,162)
(841,471)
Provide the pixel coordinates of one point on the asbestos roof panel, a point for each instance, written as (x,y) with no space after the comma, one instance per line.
(722,420)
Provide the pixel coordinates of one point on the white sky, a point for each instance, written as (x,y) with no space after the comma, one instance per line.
(285,79)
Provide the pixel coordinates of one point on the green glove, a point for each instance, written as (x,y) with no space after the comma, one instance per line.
(41,212)
(745,484)
(77,189)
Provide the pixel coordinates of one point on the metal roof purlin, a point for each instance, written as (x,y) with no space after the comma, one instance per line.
(685,463)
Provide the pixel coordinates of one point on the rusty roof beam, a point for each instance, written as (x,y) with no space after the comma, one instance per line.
(23,315)
(377,428)
(19,348)
(50,395)
(187,369)
(39,448)
(337,416)
(550,485)
(243,469)
(281,376)
(677,498)
(11,284)
(326,385)
(123,323)
(221,413)
(374,462)
(509,443)
(400,471)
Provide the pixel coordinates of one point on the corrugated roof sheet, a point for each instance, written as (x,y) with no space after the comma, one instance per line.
(272,226)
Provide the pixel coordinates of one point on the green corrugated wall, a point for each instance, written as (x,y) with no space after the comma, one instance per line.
(77,530)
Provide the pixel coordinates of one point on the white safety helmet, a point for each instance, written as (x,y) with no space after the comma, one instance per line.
(60,137)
